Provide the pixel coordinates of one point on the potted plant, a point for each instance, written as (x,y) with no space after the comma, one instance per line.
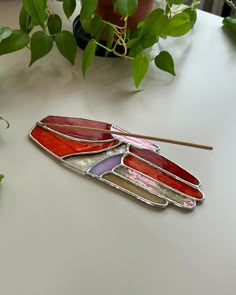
(128,30)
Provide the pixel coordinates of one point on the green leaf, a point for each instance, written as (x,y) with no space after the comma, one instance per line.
(133,42)
(110,38)
(178,25)
(229,23)
(16,41)
(165,62)
(37,10)
(1,177)
(88,55)
(69,7)
(125,7)
(148,41)
(5,32)
(152,27)
(135,50)
(54,24)
(97,27)
(139,68)
(192,13)
(40,45)
(154,24)
(67,45)
(25,20)
(7,123)
(88,8)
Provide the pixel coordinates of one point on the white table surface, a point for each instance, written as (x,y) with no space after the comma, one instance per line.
(61,233)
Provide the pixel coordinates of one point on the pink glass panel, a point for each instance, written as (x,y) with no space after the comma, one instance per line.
(165,164)
(136,141)
(77,133)
(155,187)
(61,146)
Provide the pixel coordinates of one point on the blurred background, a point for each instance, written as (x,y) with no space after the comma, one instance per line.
(218,7)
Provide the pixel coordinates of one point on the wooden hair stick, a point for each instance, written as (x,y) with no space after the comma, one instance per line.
(195,145)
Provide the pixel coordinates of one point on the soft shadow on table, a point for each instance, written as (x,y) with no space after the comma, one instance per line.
(149,207)
(231,36)
(1,139)
(160,78)
(121,194)
(153,76)
(179,48)
(1,184)
(48,78)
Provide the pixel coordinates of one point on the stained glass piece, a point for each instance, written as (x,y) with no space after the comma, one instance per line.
(155,187)
(61,146)
(135,191)
(165,164)
(78,133)
(132,140)
(162,177)
(106,165)
(84,162)
(128,164)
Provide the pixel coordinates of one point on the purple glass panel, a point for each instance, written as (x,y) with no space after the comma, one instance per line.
(105,165)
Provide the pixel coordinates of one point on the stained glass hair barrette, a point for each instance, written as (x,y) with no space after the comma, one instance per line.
(124,161)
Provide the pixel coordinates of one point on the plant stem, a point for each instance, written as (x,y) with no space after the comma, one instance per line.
(49,9)
(103,46)
(231,4)
(195,3)
(113,25)
(121,34)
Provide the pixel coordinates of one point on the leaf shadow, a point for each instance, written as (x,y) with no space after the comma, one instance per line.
(230,35)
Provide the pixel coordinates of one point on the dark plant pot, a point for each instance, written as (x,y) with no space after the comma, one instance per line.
(83,38)
(106,11)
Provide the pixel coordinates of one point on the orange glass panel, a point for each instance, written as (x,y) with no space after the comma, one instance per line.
(61,146)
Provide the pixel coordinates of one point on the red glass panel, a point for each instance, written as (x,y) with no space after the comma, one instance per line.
(143,167)
(61,146)
(165,164)
(83,134)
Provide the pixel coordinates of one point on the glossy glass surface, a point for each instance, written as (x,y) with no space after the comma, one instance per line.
(155,187)
(134,190)
(164,164)
(166,179)
(84,162)
(129,164)
(77,133)
(106,165)
(61,146)
(136,141)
